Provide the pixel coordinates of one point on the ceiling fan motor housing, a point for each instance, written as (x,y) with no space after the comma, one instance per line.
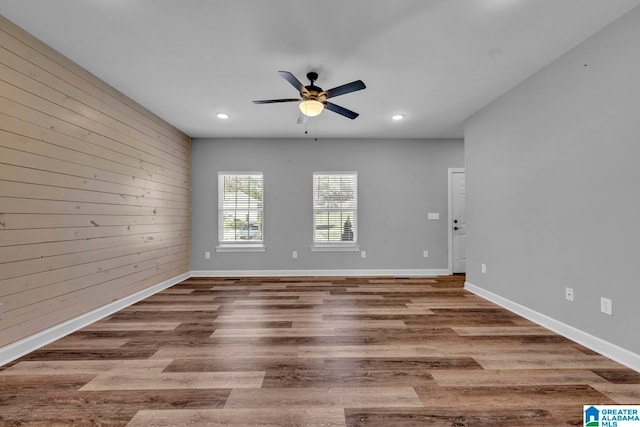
(312,91)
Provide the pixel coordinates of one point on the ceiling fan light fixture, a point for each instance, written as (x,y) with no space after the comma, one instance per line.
(311,107)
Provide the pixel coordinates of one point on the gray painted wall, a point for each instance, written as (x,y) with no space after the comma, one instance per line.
(552,175)
(399,182)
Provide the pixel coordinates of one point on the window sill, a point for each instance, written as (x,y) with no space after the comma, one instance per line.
(241,248)
(335,248)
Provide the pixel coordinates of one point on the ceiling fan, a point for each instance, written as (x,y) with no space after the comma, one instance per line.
(313,99)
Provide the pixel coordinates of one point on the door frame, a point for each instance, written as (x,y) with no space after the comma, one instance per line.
(450,172)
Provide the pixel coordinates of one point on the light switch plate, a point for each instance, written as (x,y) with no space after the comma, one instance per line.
(363,254)
(294,254)
(483,268)
(433,215)
(425,254)
(606,306)
(207,255)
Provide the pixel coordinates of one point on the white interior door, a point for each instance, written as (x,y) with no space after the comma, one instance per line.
(458,222)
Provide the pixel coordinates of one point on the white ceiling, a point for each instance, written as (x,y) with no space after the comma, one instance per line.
(435,61)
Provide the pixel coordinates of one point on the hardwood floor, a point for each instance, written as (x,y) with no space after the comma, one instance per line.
(316,352)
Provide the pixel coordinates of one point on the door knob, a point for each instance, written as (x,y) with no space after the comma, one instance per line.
(455,221)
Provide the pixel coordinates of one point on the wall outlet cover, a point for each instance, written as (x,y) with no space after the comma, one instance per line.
(363,254)
(568,294)
(433,215)
(483,268)
(425,254)
(606,306)
(294,254)
(207,255)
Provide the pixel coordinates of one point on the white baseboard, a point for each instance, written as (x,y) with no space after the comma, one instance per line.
(612,351)
(31,343)
(310,273)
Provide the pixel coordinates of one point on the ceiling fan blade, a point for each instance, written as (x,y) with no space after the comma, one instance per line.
(273,101)
(294,82)
(302,119)
(341,110)
(348,88)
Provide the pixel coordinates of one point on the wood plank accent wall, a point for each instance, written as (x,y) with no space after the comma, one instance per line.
(94,190)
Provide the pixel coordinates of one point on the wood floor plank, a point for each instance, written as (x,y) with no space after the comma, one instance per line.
(525,360)
(402,364)
(351,324)
(524,397)
(174,380)
(101,408)
(313,397)
(311,417)
(213,325)
(79,343)
(283,317)
(519,377)
(400,417)
(305,377)
(401,311)
(20,383)
(627,394)
(228,364)
(365,351)
(239,351)
(356,297)
(98,354)
(89,367)
(501,330)
(619,376)
(275,332)
(278,302)
(318,294)
(357,351)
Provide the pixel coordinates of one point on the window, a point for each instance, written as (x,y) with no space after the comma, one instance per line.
(240,210)
(335,210)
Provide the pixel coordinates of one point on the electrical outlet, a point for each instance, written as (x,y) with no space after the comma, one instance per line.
(294,254)
(606,306)
(568,294)
(433,215)
(425,254)
(363,254)
(207,255)
(483,268)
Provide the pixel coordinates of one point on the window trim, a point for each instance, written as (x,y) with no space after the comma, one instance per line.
(335,246)
(236,245)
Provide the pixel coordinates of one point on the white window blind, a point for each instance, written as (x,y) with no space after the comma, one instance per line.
(335,208)
(240,207)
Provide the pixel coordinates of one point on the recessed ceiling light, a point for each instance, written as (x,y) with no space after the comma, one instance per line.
(223,116)
(397,117)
